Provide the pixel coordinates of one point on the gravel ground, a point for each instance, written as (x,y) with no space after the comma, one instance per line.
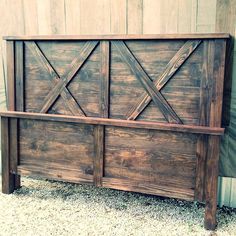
(55,208)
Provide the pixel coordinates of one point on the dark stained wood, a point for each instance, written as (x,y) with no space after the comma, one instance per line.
(138,113)
(141,75)
(118,123)
(68,76)
(19,79)
(99,131)
(20,100)
(8,179)
(136,186)
(13,143)
(212,170)
(69,175)
(105,73)
(65,94)
(99,154)
(204,116)
(119,37)
(211,181)
(10,76)
(179,58)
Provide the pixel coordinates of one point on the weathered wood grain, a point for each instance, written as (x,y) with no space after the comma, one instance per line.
(212,170)
(10,76)
(105,79)
(8,180)
(19,76)
(116,122)
(99,155)
(146,82)
(179,58)
(136,186)
(68,76)
(204,116)
(99,131)
(67,97)
(120,37)
(56,146)
(211,181)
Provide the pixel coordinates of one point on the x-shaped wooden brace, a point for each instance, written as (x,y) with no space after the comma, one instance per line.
(60,83)
(153,88)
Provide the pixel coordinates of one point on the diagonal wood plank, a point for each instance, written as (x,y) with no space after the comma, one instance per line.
(174,64)
(67,97)
(147,83)
(68,75)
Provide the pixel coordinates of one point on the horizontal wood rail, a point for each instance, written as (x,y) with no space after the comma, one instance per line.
(116,122)
(119,37)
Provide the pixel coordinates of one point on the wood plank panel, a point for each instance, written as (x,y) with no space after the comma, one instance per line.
(140,154)
(136,186)
(56,146)
(54,173)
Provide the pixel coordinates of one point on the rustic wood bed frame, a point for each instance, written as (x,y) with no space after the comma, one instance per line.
(137,113)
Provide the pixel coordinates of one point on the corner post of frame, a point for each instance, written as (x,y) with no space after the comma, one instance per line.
(9,179)
(14,95)
(216,67)
(210,222)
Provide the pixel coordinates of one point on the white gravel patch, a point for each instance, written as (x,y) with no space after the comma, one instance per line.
(55,208)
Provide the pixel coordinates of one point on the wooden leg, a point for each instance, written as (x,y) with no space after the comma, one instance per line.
(211,182)
(17,182)
(10,181)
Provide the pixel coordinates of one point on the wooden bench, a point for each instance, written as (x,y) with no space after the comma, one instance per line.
(137,113)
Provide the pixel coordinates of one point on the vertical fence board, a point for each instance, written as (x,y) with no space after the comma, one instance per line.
(135,17)
(151,17)
(118,17)
(95,17)
(72,16)
(44,18)
(185,16)
(57,14)
(169,15)
(206,13)
(30,17)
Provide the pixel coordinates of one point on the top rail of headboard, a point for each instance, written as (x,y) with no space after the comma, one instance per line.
(119,37)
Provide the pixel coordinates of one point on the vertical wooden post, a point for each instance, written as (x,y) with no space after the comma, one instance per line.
(211,170)
(15,101)
(211,182)
(8,179)
(19,76)
(204,117)
(99,131)
(19,106)
(10,76)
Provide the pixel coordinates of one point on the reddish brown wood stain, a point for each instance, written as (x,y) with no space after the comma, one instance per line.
(136,113)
